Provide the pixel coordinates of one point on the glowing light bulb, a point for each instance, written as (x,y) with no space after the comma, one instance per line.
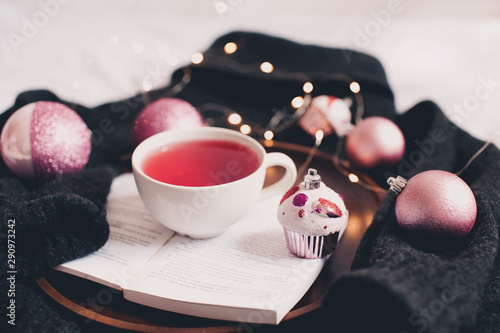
(197,58)
(146,85)
(230,48)
(353,178)
(319,136)
(268,135)
(268,143)
(266,67)
(354,86)
(297,102)
(221,7)
(234,119)
(308,87)
(245,129)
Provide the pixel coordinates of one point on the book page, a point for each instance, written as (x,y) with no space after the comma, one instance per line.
(248,267)
(135,236)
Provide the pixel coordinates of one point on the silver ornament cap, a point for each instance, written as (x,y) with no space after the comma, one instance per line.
(312,180)
(397,184)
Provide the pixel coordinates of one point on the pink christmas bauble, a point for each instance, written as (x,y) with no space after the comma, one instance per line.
(375,142)
(45,140)
(162,115)
(437,203)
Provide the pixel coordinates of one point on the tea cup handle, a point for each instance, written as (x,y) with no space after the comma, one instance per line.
(288,179)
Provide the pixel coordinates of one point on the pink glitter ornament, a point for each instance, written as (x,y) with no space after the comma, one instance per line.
(45,140)
(375,142)
(163,115)
(435,203)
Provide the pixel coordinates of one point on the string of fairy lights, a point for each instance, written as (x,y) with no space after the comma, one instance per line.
(300,104)
(278,122)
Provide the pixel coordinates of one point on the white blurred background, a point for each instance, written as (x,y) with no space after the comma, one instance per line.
(94,51)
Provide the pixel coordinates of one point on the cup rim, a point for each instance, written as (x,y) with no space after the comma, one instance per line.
(137,169)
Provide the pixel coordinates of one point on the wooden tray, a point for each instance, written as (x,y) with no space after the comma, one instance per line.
(93,301)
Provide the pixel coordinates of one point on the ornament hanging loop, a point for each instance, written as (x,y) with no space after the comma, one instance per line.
(312,180)
(397,184)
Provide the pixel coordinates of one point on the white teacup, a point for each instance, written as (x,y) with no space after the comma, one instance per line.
(207,211)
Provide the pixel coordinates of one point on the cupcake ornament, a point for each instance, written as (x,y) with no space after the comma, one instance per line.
(328,114)
(313,216)
(45,140)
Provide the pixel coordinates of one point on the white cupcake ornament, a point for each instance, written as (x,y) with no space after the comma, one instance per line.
(313,217)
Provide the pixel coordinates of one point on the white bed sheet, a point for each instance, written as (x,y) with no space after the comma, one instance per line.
(92,52)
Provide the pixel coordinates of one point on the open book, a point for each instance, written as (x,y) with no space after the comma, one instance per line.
(246,274)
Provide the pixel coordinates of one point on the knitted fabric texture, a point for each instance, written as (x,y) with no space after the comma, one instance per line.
(398,282)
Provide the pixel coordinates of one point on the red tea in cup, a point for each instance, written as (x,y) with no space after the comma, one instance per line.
(195,157)
(201,163)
